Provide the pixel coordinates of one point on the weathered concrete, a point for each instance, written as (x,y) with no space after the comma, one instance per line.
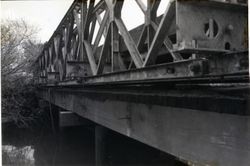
(67,119)
(100,140)
(202,137)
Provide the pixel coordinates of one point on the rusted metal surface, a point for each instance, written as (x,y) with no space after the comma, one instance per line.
(211,25)
(187,32)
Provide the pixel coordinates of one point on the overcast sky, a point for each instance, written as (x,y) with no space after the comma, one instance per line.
(47,14)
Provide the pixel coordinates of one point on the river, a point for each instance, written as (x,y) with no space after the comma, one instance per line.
(74,146)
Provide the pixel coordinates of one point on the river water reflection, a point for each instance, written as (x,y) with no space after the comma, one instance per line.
(74,146)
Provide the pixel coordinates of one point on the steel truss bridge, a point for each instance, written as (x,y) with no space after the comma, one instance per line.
(179,82)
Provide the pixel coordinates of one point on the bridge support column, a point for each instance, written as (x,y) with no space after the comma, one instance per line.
(100,145)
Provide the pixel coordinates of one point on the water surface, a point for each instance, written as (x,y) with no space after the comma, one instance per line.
(74,146)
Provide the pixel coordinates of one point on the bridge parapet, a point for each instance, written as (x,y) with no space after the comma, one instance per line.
(190,40)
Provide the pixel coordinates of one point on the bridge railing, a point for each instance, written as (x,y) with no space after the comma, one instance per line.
(191,39)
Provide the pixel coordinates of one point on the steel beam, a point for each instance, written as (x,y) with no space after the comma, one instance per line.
(160,35)
(115,59)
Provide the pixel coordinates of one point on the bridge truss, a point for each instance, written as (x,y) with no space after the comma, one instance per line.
(194,43)
(191,42)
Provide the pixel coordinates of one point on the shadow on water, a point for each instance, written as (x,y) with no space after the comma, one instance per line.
(71,146)
(74,146)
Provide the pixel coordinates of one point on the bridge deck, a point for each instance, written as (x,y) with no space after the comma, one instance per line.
(207,127)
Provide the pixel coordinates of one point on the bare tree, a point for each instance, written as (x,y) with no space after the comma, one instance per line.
(17,39)
(19,50)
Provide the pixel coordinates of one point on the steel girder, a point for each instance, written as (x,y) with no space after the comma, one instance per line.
(180,44)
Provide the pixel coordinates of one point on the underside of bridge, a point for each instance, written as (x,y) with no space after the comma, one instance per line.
(200,126)
(179,82)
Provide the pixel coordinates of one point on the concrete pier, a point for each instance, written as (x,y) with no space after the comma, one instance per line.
(100,145)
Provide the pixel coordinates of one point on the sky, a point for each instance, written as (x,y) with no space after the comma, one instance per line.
(47,14)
